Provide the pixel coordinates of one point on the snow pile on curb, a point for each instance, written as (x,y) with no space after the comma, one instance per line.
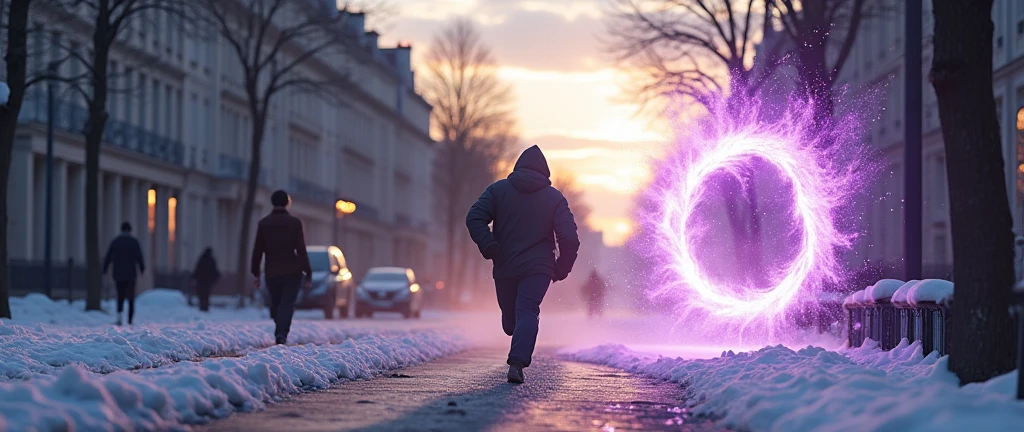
(39,349)
(193,392)
(861,389)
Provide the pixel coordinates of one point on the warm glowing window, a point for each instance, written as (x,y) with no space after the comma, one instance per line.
(152,210)
(172,223)
(172,227)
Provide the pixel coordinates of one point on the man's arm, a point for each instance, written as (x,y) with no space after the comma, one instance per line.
(139,258)
(257,252)
(568,240)
(480,215)
(300,251)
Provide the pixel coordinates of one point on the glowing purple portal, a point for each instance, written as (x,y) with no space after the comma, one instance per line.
(823,171)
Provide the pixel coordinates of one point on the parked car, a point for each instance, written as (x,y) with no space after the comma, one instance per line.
(332,283)
(389,289)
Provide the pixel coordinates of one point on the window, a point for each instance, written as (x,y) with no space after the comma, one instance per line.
(142,101)
(155,125)
(172,228)
(129,89)
(151,202)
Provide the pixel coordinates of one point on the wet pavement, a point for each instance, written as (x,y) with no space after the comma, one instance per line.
(468,392)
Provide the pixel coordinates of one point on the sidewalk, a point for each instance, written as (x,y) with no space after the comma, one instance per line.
(468,392)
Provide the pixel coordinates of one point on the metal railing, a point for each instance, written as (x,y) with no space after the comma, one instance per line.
(889,323)
(72,118)
(67,279)
(312,191)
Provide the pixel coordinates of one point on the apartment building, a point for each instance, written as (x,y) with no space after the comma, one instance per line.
(177,151)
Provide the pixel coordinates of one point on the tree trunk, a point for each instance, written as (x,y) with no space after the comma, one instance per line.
(17,60)
(258,129)
(983,334)
(102,40)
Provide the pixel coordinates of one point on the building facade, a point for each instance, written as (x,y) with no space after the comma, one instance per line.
(877,61)
(176,152)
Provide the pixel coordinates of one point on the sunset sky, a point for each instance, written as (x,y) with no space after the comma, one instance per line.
(567,90)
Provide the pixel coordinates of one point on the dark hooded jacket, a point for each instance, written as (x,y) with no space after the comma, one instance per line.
(206,272)
(125,256)
(529,216)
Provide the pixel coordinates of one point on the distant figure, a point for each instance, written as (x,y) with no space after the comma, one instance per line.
(528,216)
(593,294)
(280,237)
(125,255)
(204,277)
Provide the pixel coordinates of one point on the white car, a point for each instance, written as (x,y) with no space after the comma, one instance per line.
(389,289)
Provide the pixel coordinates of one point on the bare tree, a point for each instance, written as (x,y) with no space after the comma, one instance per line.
(274,41)
(110,21)
(822,34)
(16,59)
(701,49)
(704,50)
(983,334)
(473,114)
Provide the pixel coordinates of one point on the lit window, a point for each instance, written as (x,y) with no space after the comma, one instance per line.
(152,210)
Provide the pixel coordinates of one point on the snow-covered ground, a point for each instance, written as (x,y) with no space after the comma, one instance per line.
(813,389)
(66,369)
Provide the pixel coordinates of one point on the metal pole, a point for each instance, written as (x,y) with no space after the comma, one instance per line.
(48,223)
(912,216)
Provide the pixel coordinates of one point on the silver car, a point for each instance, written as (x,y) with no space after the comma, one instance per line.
(389,289)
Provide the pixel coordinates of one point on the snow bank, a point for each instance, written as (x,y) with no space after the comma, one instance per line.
(192,392)
(39,349)
(151,306)
(812,389)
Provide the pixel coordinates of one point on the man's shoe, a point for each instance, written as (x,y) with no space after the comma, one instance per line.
(515,374)
(281,340)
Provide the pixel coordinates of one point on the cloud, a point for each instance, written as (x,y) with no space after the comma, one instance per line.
(538,35)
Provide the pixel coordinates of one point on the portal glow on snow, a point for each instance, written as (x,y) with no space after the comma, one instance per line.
(824,179)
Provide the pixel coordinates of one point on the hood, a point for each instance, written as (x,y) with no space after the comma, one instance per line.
(531,172)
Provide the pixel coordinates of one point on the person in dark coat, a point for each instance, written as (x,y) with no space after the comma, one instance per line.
(593,294)
(204,277)
(530,217)
(125,256)
(279,237)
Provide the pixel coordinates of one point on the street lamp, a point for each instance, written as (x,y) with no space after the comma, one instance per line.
(342,207)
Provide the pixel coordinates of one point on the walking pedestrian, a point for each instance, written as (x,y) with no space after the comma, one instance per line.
(593,294)
(529,217)
(204,277)
(125,256)
(279,237)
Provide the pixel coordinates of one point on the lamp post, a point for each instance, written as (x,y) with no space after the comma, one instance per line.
(48,222)
(913,211)
(342,207)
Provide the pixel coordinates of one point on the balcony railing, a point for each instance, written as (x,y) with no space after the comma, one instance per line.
(231,167)
(72,118)
(312,191)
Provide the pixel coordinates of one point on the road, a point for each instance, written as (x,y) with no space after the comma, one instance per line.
(468,392)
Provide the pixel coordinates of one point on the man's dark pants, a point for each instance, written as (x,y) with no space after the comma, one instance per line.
(126,291)
(284,290)
(203,292)
(519,300)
